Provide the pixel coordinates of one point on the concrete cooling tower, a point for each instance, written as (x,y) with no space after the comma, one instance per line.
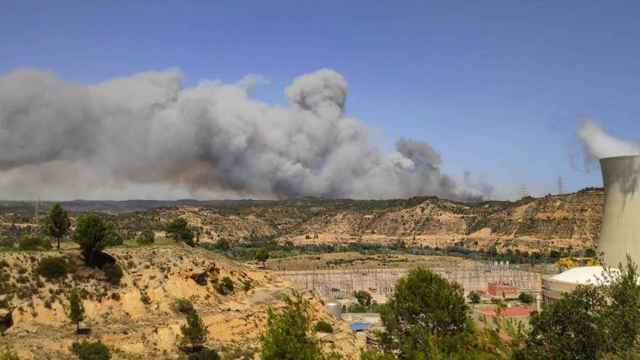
(620,234)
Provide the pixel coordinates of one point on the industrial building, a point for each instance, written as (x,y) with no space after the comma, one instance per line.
(554,286)
(620,233)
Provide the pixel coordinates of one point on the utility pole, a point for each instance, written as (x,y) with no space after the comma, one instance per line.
(523,191)
(36,211)
(560,186)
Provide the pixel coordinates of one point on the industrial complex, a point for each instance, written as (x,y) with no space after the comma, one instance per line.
(620,228)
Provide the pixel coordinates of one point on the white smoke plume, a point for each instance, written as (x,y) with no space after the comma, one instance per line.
(483,188)
(600,145)
(146,136)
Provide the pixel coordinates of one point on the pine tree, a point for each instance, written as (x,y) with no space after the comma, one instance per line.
(194,333)
(76,310)
(288,333)
(58,223)
(92,234)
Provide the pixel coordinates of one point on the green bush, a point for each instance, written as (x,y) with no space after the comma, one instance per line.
(225,286)
(184,306)
(246,285)
(179,230)
(34,243)
(113,272)
(146,237)
(194,333)
(363,297)
(375,355)
(53,267)
(526,298)
(7,353)
(474,297)
(323,327)
(92,234)
(7,242)
(87,350)
(204,354)
(357,308)
(287,335)
(262,255)
(114,237)
(222,245)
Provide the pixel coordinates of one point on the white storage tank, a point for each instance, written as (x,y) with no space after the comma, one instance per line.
(335,309)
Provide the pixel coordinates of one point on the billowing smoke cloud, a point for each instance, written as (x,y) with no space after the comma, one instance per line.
(600,145)
(483,188)
(146,136)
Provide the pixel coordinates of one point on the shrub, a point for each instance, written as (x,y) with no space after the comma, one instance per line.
(52,267)
(357,308)
(222,245)
(590,252)
(225,286)
(262,255)
(87,350)
(7,353)
(179,230)
(194,333)
(114,237)
(34,243)
(200,278)
(8,242)
(323,327)
(184,306)
(474,297)
(247,285)
(375,355)
(526,298)
(204,354)
(146,237)
(363,297)
(113,272)
(144,297)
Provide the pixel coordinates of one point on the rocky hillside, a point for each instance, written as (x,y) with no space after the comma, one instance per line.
(570,221)
(137,319)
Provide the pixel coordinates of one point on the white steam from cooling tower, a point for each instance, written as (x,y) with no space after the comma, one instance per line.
(601,145)
(146,136)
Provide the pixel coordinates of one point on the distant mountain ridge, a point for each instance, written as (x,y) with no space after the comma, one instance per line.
(554,222)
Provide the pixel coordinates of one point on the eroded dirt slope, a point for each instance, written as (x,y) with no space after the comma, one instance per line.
(137,318)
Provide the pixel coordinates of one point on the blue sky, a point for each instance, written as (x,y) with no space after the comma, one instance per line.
(497,87)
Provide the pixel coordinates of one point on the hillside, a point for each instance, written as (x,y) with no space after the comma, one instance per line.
(569,221)
(137,318)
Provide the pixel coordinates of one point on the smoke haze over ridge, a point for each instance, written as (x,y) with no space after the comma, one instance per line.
(147,136)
